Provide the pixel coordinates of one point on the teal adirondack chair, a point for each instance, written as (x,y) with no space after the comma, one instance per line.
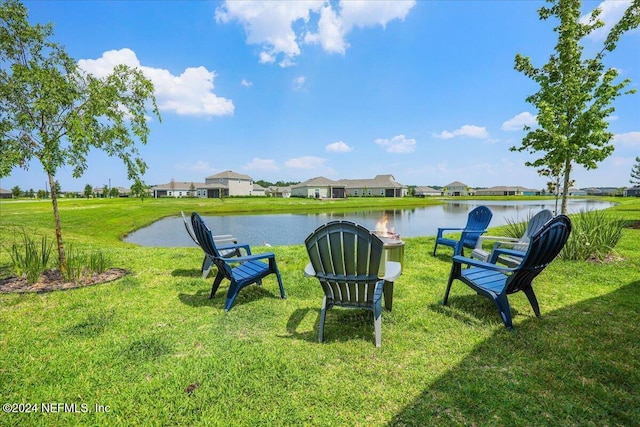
(241,271)
(477,223)
(496,282)
(346,257)
(226,244)
(507,250)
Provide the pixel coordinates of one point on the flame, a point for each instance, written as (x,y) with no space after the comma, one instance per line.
(382,226)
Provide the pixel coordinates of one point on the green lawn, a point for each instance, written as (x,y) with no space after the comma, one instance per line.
(152,349)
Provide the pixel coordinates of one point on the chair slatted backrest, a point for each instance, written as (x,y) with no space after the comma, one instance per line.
(544,246)
(535,224)
(478,219)
(346,258)
(204,237)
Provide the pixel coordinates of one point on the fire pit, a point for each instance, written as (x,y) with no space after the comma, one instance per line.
(393,251)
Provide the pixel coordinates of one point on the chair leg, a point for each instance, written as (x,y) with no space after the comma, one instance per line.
(216,284)
(232,293)
(377,322)
(505,311)
(455,271)
(207,263)
(434,249)
(531,296)
(274,267)
(323,315)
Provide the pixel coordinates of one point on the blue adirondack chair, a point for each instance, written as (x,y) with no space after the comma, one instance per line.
(507,250)
(496,282)
(240,271)
(346,259)
(227,246)
(477,223)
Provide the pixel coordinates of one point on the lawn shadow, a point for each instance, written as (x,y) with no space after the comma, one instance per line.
(187,273)
(248,294)
(341,325)
(296,319)
(473,310)
(579,365)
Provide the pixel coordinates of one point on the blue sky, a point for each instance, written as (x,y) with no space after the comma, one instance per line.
(291,90)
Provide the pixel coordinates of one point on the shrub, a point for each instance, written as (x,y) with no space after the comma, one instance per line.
(80,263)
(594,235)
(29,258)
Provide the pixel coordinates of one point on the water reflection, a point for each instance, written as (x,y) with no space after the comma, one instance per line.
(292,229)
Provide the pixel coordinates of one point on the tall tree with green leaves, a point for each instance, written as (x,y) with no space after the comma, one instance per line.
(576,95)
(53,112)
(88,191)
(635,173)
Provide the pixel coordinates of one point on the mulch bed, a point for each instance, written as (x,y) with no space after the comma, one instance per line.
(52,280)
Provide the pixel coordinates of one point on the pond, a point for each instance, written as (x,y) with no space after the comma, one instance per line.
(292,229)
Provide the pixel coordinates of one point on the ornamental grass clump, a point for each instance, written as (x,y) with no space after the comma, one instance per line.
(594,236)
(80,264)
(29,257)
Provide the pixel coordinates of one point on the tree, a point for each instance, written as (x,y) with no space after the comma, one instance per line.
(575,96)
(635,173)
(52,111)
(88,191)
(114,193)
(16,192)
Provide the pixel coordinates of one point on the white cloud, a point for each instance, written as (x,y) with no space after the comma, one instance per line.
(190,93)
(338,147)
(611,12)
(307,162)
(629,138)
(364,13)
(246,83)
(397,144)
(330,33)
(265,165)
(519,121)
(298,83)
(469,131)
(200,167)
(280,27)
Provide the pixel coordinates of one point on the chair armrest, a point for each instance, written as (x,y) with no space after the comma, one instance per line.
(235,246)
(392,271)
(499,239)
(265,255)
(309,271)
(495,254)
(481,264)
(441,231)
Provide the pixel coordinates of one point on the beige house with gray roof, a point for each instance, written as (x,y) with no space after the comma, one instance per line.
(457,188)
(321,187)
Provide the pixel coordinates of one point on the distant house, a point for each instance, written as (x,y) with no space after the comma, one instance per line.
(601,191)
(423,191)
(235,184)
(457,188)
(632,191)
(278,192)
(258,190)
(319,188)
(174,189)
(502,190)
(5,194)
(577,192)
(379,186)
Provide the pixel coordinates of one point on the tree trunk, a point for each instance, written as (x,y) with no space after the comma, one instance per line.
(56,215)
(565,186)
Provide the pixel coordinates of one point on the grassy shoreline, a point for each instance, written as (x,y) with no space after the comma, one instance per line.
(155,350)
